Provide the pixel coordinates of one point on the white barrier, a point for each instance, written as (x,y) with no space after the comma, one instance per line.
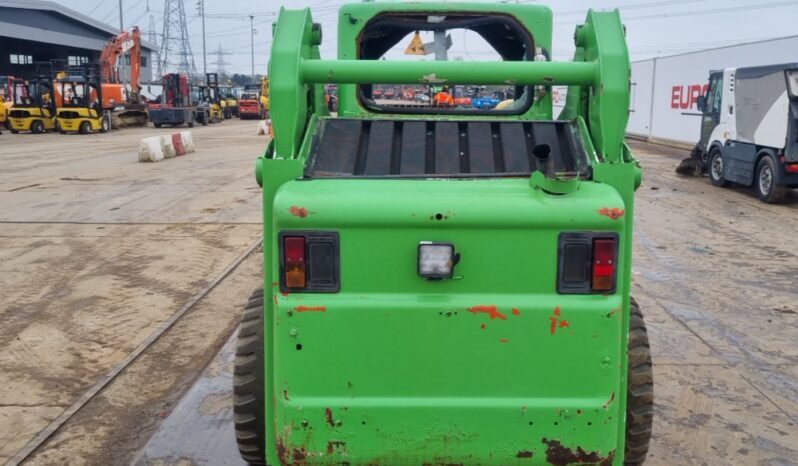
(188,141)
(167,147)
(151,149)
(157,148)
(263,127)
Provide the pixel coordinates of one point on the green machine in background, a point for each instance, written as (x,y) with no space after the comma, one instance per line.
(446,285)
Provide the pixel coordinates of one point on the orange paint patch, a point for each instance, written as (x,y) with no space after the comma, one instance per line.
(492,311)
(516,312)
(556,321)
(613,213)
(310,309)
(300,212)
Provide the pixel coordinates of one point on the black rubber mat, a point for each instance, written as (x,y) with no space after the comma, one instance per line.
(347,147)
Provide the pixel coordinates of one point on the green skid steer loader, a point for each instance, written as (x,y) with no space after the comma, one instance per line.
(445,285)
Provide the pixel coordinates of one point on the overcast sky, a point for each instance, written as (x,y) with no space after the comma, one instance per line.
(654,27)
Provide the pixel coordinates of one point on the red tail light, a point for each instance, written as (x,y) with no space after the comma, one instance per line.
(791,167)
(294,260)
(587,262)
(309,262)
(604,254)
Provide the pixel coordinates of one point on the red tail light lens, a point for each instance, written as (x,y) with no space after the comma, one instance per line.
(791,167)
(587,262)
(294,261)
(604,254)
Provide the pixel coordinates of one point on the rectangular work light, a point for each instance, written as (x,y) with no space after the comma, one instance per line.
(435,260)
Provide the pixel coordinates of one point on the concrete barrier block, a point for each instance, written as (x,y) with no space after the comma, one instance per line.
(177,143)
(188,141)
(167,147)
(263,127)
(151,149)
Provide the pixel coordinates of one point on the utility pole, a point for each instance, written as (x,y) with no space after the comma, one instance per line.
(121,23)
(201,5)
(252,43)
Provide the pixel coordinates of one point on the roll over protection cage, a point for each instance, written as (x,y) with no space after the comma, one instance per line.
(598,78)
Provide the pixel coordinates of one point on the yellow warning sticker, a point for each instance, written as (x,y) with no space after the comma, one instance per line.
(416,46)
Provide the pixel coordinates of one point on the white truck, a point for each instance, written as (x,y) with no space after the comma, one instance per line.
(749,129)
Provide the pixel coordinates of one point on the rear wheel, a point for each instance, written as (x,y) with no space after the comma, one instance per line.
(157,125)
(640,389)
(248,384)
(14,131)
(37,127)
(191,120)
(105,126)
(716,168)
(85,127)
(765,182)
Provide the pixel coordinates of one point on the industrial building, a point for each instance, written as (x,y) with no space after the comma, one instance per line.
(665,90)
(35,31)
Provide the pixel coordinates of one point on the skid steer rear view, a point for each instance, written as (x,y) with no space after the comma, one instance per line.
(445,285)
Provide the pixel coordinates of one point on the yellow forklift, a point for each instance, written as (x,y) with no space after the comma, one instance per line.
(34,107)
(209,94)
(230,102)
(81,110)
(6,99)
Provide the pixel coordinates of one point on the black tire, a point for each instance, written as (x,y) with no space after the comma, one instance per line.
(14,131)
(37,127)
(640,390)
(205,119)
(85,127)
(157,125)
(716,168)
(765,182)
(248,384)
(105,126)
(191,120)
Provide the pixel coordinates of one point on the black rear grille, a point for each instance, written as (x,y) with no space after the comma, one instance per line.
(414,148)
(68,114)
(19,114)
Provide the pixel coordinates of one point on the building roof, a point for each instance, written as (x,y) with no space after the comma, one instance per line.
(40,33)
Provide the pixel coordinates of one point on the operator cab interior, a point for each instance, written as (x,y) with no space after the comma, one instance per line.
(427,37)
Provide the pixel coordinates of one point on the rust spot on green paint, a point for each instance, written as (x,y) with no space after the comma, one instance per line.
(609,402)
(310,309)
(491,310)
(503,340)
(516,311)
(300,212)
(613,213)
(336,446)
(560,455)
(525,454)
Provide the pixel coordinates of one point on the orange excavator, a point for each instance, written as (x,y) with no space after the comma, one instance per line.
(126,104)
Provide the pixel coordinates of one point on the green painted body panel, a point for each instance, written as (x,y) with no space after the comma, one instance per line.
(397,370)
